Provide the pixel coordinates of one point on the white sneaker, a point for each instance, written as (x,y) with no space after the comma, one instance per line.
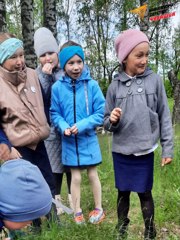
(59,210)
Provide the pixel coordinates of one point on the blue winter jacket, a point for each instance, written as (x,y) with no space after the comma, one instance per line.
(79,102)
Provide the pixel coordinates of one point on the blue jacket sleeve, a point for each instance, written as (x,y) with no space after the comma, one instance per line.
(4,139)
(55,110)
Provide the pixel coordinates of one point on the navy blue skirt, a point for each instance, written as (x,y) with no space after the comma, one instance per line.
(133,173)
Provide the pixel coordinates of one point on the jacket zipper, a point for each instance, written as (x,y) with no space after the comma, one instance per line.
(74,101)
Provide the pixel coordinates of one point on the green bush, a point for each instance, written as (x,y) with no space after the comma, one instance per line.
(103,83)
(168,88)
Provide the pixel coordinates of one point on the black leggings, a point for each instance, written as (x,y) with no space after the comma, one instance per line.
(58,181)
(147,206)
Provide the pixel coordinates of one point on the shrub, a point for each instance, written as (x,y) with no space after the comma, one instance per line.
(168,88)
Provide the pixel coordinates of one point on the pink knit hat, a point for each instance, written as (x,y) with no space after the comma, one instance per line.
(127,40)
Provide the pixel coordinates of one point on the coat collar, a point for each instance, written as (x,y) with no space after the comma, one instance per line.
(123,77)
(15,78)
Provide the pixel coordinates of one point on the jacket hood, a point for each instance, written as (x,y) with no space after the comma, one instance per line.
(123,77)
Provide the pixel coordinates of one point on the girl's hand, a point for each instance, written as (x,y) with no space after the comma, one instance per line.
(67,132)
(47,68)
(14,154)
(4,152)
(74,130)
(115,115)
(165,161)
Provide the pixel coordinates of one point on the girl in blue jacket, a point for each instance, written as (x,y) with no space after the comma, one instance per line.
(77,108)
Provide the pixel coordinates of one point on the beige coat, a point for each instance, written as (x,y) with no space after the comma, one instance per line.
(21,108)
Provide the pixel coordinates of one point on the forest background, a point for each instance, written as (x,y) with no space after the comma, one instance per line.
(94,24)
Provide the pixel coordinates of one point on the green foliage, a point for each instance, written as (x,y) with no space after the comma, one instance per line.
(103,83)
(13,18)
(171,104)
(38,14)
(176,47)
(168,88)
(153,67)
(96,23)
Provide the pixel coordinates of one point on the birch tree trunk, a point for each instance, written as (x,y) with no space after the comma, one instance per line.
(27,21)
(2,16)
(50,15)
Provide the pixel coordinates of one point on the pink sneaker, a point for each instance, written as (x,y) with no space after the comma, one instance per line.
(96,216)
(79,218)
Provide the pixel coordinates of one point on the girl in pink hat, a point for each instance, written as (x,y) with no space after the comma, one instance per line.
(137,114)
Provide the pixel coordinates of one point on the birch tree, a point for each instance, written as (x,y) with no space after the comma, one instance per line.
(27,20)
(96,21)
(67,17)
(2,16)
(49,13)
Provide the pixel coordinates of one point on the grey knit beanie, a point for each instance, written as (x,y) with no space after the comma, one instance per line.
(44,42)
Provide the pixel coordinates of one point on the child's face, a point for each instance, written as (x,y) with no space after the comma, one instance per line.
(137,60)
(49,57)
(16,62)
(74,67)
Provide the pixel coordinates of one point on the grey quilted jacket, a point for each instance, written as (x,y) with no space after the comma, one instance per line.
(53,142)
(145,114)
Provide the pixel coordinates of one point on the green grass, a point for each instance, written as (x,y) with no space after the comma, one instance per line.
(166,192)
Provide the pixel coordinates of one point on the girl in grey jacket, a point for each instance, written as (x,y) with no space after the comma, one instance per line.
(138,115)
